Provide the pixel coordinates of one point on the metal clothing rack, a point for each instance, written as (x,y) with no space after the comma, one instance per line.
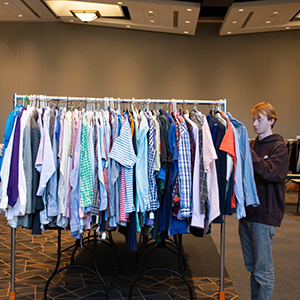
(172,104)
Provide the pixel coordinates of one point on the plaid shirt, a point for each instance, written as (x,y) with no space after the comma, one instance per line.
(153,198)
(203,179)
(96,193)
(209,158)
(86,172)
(184,171)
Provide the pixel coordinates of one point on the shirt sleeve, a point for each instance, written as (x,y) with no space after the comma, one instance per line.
(275,167)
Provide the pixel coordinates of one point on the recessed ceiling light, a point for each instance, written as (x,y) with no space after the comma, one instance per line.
(275,12)
(150,11)
(128,26)
(151,21)
(6,3)
(189,9)
(120,3)
(234,22)
(229,32)
(268,22)
(187,22)
(241,9)
(186,32)
(20,16)
(288,27)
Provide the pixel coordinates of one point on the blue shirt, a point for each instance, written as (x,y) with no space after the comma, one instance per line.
(8,129)
(142,186)
(249,186)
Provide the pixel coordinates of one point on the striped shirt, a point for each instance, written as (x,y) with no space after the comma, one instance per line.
(122,151)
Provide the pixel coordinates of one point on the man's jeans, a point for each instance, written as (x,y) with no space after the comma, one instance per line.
(257,242)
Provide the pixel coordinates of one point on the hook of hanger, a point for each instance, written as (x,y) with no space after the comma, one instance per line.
(195,107)
(174,105)
(132,104)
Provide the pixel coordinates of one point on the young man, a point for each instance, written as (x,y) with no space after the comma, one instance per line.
(256,230)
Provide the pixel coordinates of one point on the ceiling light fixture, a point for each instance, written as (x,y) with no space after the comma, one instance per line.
(275,12)
(20,16)
(187,22)
(185,32)
(86,16)
(189,9)
(6,3)
(234,22)
(287,27)
(151,21)
(268,22)
(229,32)
(241,9)
(120,3)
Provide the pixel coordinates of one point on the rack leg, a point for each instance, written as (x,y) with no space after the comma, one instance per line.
(12,294)
(221,296)
(222,261)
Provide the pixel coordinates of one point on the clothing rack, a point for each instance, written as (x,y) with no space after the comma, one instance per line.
(109,101)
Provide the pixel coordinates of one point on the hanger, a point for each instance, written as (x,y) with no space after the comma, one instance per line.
(26,99)
(132,104)
(195,107)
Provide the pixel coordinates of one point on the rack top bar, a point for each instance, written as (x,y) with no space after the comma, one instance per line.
(90,99)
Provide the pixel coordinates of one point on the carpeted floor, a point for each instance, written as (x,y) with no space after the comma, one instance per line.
(36,260)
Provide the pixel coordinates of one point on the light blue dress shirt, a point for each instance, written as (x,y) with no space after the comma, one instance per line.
(142,186)
(249,186)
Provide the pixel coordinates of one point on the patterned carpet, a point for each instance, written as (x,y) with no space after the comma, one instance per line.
(36,260)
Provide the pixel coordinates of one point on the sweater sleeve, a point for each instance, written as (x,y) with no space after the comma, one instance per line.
(273,168)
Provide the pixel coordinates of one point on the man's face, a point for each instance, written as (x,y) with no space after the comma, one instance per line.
(262,125)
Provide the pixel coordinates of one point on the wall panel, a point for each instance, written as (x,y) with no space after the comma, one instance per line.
(253,77)
(56,71)
(9,69)
(278,79)
(77,60)
(31,58)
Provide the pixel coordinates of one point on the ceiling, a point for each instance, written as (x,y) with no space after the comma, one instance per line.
(171,16)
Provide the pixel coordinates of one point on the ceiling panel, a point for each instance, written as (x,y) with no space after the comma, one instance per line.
(260,16)
(171,16)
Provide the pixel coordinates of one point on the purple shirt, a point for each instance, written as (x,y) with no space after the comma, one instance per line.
(13,181)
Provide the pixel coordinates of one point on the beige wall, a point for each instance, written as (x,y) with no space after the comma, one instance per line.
(74,60)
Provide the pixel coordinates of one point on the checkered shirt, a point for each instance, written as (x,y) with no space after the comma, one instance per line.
(184,170)
(86,172)
(153,198)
